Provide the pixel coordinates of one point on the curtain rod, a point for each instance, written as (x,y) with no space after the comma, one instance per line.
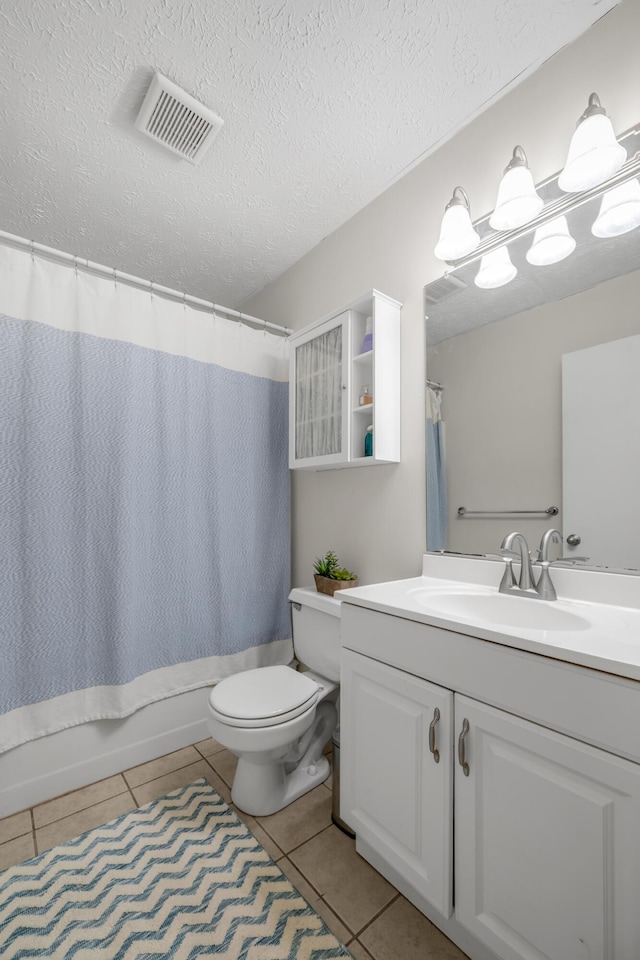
(97,268)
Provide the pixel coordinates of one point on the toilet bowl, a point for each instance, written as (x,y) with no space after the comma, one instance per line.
(277,720)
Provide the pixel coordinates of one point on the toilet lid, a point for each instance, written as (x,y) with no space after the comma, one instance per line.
(264,696)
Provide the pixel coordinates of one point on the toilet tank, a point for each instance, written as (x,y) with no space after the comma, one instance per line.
(316,630)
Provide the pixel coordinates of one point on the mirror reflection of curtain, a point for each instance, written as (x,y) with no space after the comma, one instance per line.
(436,479)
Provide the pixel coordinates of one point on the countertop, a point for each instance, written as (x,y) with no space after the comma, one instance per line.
(608,638)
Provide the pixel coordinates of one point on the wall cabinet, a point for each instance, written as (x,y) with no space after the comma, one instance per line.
(540,830)
(330,364)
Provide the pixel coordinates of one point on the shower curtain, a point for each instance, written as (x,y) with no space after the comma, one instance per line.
(144,498)
(436,478)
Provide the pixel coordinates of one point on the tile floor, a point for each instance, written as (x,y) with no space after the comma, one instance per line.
(362,909)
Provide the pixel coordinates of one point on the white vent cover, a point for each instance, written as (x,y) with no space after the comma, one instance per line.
(175,119)
(443,288)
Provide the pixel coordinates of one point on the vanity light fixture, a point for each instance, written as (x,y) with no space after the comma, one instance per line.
(458,238)
(594,153)
(619,211)
(496,269)
(518,202)
(552,242)
(541,211)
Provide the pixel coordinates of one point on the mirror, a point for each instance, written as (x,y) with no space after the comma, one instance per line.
(541,399)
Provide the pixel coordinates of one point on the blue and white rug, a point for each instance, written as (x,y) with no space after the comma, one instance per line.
(181,877)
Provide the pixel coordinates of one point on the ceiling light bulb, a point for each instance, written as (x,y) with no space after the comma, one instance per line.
(495,270)
(619,211)
(457,234)
(594,153)
(552,242)
(517,202)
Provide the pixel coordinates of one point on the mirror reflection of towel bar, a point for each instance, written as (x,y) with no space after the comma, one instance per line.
(463,512)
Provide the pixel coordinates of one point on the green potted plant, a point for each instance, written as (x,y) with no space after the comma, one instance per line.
(330,576)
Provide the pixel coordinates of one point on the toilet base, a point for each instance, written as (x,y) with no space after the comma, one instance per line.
(264,789)
(262,786)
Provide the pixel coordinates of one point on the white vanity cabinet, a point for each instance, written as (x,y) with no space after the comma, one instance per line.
(544,828)
(328,369)
(546,841)
(397,729)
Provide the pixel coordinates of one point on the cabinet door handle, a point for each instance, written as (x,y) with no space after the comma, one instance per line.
(432,735)
(461,747)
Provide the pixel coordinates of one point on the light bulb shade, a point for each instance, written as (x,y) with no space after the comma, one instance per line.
(594,155)
(495,270)
(552,242)
(619,211)
(517,202)
(457,235)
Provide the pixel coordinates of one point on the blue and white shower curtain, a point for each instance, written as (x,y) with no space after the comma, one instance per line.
(144,498)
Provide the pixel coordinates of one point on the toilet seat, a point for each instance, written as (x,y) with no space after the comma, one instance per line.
(263,697)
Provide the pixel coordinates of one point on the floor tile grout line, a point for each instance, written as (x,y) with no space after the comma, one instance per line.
(369,923)
(81,809)
(59,796)
(165,774)
(131,793)
(336,914)
(302,842)
(229,786)
(205,756)
(34,835)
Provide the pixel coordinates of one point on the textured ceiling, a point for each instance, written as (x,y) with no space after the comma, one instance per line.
(325,103)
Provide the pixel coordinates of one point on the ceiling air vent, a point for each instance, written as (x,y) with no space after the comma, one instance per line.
(443,288)
(175,119)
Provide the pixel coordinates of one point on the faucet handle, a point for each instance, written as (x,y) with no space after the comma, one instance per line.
(545,588)
(508,577)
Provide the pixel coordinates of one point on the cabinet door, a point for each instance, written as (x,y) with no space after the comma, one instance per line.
(547,848)
(394,793)
(318,414)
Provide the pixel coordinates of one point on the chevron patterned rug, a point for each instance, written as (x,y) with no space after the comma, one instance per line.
(180,878)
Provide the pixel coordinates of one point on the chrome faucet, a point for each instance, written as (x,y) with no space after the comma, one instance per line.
(525,587)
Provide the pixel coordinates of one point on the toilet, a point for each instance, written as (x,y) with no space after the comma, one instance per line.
(277,720)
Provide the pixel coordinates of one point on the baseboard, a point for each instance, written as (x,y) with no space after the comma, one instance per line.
(73,758)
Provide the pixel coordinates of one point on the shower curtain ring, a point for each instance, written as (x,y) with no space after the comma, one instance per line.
(115,278)
(151,285)
(33,252)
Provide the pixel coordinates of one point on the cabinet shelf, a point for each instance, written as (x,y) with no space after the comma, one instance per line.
(363,408)
(363,357)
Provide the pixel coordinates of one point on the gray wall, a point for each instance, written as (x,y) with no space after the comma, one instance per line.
(374,518)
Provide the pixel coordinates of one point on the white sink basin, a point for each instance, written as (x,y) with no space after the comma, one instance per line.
(595,622)
(498,609)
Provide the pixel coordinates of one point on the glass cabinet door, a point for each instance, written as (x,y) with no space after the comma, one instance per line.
(319,395)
